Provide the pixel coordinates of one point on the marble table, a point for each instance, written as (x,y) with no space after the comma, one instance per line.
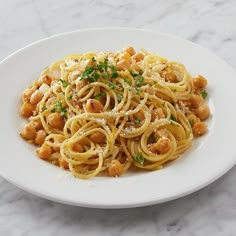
(210,23)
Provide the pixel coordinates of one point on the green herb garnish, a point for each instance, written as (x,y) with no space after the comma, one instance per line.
(44,108)
(137,120)
(133,74)
(59,108)
(64,83)
(111,85)
(138,91)
(70,97)
(127,81)
(99,96)
(139,158)
(114,73)
(119,97)
(90,74)
(105,76)
(204,94)
(103,65)
(101,70)
(152,139)
(173,118)
(191,122)
(139,80)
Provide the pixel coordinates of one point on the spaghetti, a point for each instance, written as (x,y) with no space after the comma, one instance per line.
(104,112)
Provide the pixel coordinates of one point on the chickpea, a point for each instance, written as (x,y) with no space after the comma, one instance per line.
(36,97)
(45,79)
(203,111)
(169,75)
(115,168)
(123,65)
(97,137)
(125,56)
(199,82)
(37,124)
(93,106)
(129,50)
(40,137)
(56,149)
(78,147)
(26,110)
(56,120)
(138,57)
(196,100)
(28,132)
(199,128)
(44,152)
(140,116)
(63,164)
(157,113)
(161,146)
(192,118)
(27,94)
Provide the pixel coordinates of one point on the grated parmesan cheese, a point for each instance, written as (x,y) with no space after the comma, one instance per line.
(101,121)
(129,129)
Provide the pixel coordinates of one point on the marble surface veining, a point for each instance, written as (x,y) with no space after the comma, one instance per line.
(210,23)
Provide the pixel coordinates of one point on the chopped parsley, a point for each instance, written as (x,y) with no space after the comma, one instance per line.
(137,120)
(105,76)
(139,80)
(151,139)
(101,70)
(204,94)
(191,122)
(44,108)
(119,97)
(173,118)
(99,96)
(139,158)
(59,108)
(103,65)
(111,85)
(90,74)
(138,91)
(70,97)
(64,83)
(114,73)
(127,81)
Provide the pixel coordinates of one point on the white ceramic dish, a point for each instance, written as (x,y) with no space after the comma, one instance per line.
(211,156)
